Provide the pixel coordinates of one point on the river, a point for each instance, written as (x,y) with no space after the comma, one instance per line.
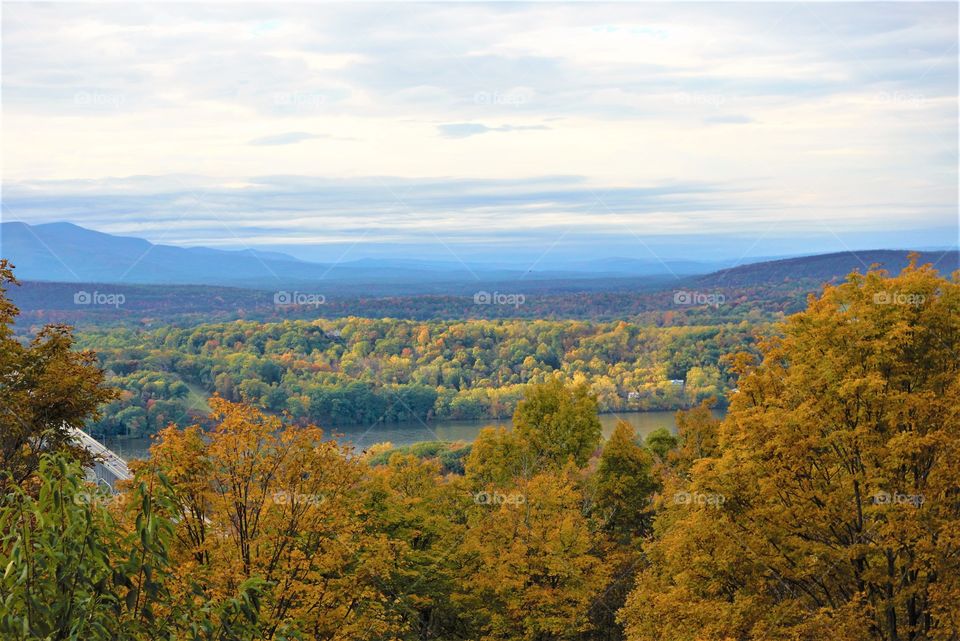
(439,430)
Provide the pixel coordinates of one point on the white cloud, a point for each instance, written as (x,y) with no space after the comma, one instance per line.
(818,112)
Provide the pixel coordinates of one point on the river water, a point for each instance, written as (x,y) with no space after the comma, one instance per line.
(362,436)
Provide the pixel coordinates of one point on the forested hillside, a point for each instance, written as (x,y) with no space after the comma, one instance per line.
(826,267)
(360,371)
(755,292)
(647,300)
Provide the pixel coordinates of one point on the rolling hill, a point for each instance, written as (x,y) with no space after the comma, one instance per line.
(823,267)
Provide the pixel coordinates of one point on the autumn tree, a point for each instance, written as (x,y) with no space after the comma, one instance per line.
(499,458)
(422,514)
(257,498)
(46,388)
(698,434)
(830,507)
(531,548)
(529,565)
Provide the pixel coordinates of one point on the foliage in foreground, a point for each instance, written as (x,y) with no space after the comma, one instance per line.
(77,567)
(45,388)
(825,506)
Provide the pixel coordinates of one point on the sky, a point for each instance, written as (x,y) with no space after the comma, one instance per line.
(526,132)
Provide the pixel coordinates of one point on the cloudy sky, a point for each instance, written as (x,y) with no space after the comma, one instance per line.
(487,130)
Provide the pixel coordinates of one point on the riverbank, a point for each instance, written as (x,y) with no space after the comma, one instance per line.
(410,432)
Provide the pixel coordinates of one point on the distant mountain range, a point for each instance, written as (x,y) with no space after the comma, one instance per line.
(155,283)
(64,252)
(825,267)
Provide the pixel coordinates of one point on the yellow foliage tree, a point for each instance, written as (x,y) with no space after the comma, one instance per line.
(529,567)
(257,499)
(831,507)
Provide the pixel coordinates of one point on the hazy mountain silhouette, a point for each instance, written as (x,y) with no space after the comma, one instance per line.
(64,252)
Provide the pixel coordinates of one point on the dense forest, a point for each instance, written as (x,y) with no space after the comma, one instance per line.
(825,505)
(360,371)
(755,292)
(145,306)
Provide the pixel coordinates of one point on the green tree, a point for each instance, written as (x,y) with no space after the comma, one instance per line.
(499,458)
(422,515)
(559,421)
(661,442)
(73,571)
(624,484)
(622,511)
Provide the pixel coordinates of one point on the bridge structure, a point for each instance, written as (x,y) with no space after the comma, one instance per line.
(108,468)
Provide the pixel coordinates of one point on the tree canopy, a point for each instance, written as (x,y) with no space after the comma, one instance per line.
(825,505)
(829,505)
